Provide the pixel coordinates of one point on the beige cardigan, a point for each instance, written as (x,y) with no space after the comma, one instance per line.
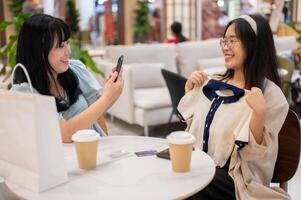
(252,166)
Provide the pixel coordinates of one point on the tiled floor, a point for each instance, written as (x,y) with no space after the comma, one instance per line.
(119,127)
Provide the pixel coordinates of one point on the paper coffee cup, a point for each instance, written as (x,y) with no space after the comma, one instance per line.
(86,148)
(180,149)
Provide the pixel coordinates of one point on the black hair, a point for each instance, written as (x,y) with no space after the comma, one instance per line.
(261,61)
(176,28)
(36,38)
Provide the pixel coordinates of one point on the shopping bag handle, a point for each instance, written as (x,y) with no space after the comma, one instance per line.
(25,72)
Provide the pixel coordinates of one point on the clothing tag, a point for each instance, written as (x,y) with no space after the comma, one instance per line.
(145,153)
(224,93)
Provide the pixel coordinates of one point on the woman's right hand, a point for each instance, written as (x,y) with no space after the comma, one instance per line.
(197,78)
(112,90)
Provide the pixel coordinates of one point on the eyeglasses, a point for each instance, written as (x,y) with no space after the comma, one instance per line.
(228,41)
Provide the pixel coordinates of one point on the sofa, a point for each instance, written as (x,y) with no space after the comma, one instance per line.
(145,100)
(207,54)
(192,52)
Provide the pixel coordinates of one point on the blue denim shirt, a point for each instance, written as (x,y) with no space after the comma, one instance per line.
(89,87)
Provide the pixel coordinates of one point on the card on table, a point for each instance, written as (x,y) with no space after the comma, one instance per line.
(145,153)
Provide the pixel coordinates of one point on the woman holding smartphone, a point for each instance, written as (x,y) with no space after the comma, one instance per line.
(44,51)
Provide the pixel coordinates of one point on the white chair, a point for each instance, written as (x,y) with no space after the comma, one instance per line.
(285,45)
(145,99)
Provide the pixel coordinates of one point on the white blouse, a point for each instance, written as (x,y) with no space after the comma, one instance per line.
(251,166)
(230,123)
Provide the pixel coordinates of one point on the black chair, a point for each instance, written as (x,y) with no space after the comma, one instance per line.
(176,87)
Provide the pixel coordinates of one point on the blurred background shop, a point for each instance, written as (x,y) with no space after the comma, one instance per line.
(102,30)
(103,22)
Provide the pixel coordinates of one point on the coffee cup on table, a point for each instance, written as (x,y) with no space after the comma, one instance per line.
(180,149)
(86,142)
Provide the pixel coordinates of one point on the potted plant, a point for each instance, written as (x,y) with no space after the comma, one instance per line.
(8,51)
(72,18)
(141,24)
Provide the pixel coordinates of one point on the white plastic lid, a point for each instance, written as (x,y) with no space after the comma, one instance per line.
(85,135)
(180,137)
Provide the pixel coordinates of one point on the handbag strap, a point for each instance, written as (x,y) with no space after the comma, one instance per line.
(25,72)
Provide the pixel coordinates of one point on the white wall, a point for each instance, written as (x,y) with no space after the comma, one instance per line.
(86,10)
(48,6)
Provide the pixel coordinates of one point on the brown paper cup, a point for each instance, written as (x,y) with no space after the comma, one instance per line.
(86,154)
(180,155)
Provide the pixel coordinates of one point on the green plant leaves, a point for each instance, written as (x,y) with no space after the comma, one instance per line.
(86,58)
(83,55)
(141,24)
(3,71)
(16,6)
(9,51)
(72,18)
(4,25)
(293,26)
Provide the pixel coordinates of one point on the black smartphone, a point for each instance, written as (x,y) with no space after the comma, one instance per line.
(119,65)
(165,154)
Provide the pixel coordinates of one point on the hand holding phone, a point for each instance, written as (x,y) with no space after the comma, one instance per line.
(119,66)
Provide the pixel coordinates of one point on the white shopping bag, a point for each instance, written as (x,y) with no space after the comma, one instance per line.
(31,150)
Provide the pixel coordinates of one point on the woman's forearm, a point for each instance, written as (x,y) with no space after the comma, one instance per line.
(257,126)
(85,119)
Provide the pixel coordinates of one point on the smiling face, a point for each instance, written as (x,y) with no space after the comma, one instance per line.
(58,57)
(233,50)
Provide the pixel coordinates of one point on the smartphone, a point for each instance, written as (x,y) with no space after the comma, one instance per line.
(165,154)
(119,65)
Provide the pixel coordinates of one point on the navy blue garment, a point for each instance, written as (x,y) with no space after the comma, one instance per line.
(209,91)
(220,188)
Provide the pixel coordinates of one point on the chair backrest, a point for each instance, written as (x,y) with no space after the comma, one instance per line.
(286,64)
(102,123)
(288,149)
(176,86)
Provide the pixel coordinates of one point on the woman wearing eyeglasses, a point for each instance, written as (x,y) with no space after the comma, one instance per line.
(236,116)
(44,51)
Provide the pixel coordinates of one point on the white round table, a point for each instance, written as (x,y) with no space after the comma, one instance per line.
(128,177)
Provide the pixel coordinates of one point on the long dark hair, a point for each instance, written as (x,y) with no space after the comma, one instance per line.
(176,28)
(261,61)
(37,37)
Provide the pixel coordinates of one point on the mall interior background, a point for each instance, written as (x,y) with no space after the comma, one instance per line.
(99,23)
(104,22)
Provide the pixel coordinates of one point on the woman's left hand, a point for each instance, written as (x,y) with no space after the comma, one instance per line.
(256,101)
